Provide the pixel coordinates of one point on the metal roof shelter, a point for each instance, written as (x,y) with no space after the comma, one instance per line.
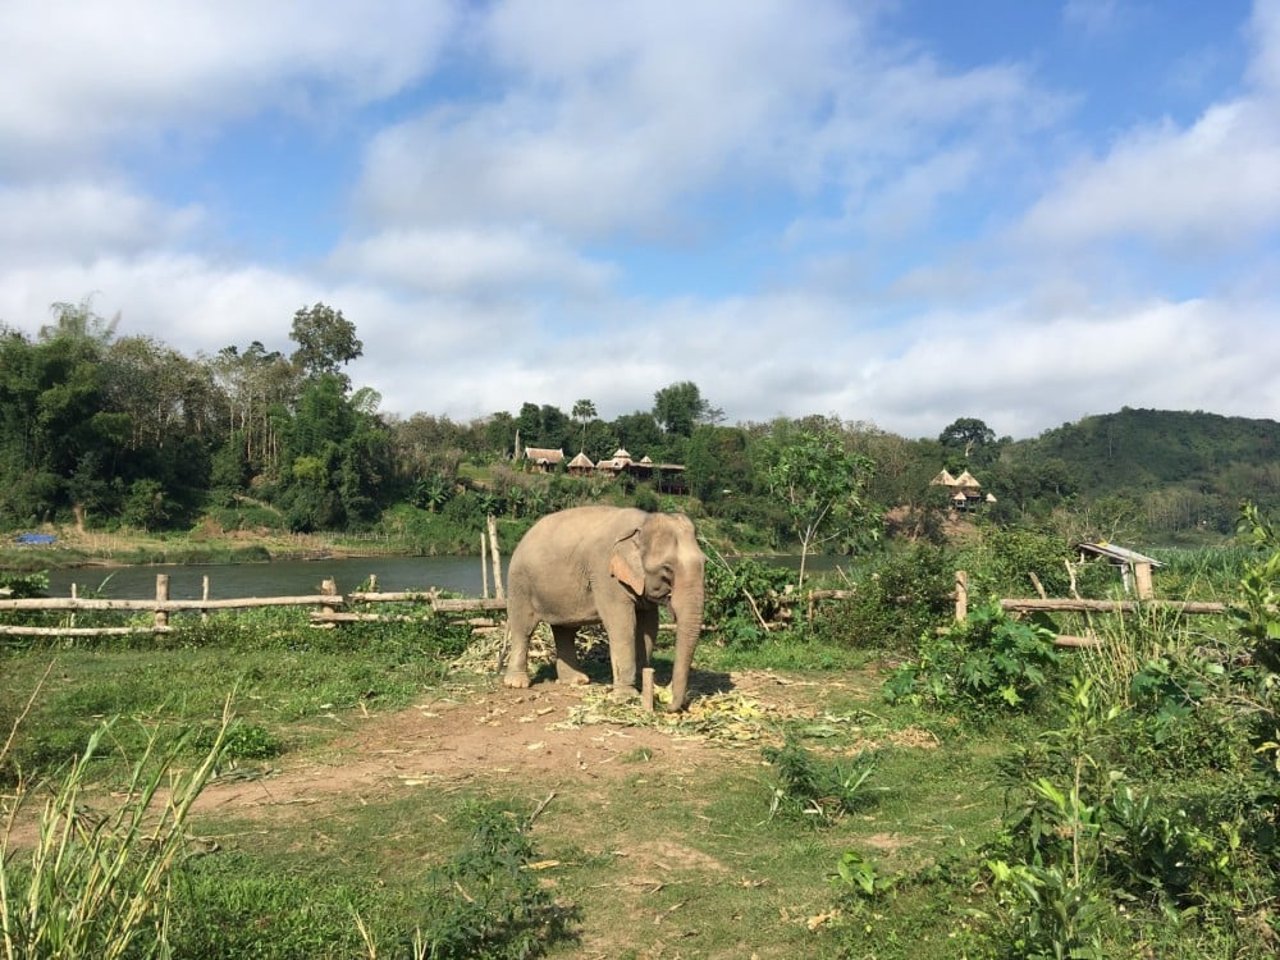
(1135,568)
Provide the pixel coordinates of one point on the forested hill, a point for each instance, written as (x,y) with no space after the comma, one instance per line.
(1141,450)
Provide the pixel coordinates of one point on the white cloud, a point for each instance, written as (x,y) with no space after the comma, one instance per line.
(1023,373)
(1214,183)
(80,219)
(611,118)
(1094,17)
(74,75)
(1210,185)
(481,263)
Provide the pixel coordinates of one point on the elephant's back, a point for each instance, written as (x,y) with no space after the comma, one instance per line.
(578,524)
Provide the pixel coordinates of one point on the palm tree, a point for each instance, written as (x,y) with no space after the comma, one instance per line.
(584,411)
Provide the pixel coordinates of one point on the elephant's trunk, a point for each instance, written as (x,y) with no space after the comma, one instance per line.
(686,605)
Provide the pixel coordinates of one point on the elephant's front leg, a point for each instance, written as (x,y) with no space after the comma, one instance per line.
(568,670)
(621,626)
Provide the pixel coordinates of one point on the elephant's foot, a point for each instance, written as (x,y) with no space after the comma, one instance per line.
(624,694)
(518,681)
(571,676)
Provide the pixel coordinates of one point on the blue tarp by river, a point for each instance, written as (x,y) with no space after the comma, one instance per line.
(34,539)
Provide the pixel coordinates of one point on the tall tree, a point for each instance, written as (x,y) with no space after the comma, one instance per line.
(822,486)
(965,436)
(326,341)
(680,407)
(584,411)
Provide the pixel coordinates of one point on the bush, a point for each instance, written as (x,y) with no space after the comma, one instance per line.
(906,595)
(731,590)
(990,662)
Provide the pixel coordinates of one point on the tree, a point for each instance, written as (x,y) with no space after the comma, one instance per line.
(966,434)
(718,462)
(584,411)
(821,484)
(681,406)
(638,432)
(326,340)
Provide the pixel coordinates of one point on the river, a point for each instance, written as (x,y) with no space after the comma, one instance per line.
(293,578)
(279,578)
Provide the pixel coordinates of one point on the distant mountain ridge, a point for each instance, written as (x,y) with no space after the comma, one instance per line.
(1207,462)
(1140,449)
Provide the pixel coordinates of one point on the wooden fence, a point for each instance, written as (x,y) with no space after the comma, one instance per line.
(1080,605)
(332,608)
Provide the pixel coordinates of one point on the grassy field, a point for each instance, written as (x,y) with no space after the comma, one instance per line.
(971,793)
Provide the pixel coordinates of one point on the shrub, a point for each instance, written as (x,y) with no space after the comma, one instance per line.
(990,662)
(739,594)
(904,596)
(813,790)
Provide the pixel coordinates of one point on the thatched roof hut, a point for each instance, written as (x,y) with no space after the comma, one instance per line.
(542,459)
(581,465)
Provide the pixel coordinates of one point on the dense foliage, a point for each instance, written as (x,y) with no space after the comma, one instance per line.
(103,429)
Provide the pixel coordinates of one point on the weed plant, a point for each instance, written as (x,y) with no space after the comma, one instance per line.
(988,664)
(100,885)
(819,792)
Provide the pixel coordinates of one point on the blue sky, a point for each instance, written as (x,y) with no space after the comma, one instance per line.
(895,211)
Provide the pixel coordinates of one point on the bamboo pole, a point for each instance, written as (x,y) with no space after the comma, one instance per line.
(17,631)
(496,555)
(460,604)
(1113,606)
(393,596)
(328,588)
(233,603)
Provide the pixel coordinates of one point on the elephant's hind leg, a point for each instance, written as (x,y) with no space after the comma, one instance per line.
(568,670)
(519,628)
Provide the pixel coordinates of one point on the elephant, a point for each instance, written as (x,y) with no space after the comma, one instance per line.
(614,566)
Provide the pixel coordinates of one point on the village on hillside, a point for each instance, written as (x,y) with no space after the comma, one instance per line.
(668,477)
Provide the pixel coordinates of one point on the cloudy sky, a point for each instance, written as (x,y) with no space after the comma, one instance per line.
(900,211)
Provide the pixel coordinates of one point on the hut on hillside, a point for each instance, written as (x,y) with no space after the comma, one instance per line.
(965,490)
(581,465)
(542,459)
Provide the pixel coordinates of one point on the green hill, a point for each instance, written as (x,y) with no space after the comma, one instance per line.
(1183,469)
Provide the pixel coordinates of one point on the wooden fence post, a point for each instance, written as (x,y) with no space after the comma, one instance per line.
(496,554)
(204,595)
(328,588)
(962,595)
(1142,581)
(484,567)
(162,596)
(646,689)
(71,621)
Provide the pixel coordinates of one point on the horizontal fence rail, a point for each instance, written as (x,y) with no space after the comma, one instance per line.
(330,602)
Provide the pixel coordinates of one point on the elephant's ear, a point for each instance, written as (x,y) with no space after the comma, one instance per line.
(625,564)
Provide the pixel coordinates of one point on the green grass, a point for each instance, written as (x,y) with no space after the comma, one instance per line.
(659,858)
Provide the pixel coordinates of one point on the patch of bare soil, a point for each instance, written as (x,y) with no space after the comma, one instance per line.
(508,734)
(522,736)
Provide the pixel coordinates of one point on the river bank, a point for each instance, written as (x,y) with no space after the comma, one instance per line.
(73,549)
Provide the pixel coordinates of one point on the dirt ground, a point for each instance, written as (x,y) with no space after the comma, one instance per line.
(516,735)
